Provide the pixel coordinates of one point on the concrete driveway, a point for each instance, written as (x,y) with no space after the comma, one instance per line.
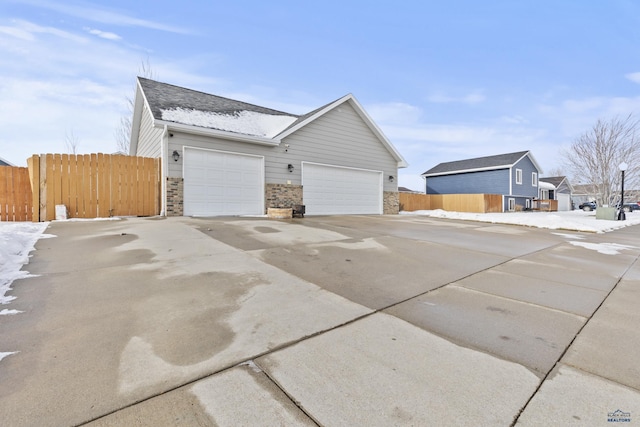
(327,321)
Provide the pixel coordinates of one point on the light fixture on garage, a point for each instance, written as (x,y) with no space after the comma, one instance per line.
(391,178)
(290,167)
(175,155)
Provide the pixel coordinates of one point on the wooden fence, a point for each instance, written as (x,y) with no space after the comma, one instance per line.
(15,194)
(89,186)
(94,185)
(477,203)
(545,205)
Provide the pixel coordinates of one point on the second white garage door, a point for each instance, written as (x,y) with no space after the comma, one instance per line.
(218,183)
(334,190)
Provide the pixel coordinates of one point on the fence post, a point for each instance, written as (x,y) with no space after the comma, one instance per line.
(33,163)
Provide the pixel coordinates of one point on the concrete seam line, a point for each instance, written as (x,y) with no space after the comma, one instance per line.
(573,340)
(228,367)
(289,396)
(304,338)
(465,277)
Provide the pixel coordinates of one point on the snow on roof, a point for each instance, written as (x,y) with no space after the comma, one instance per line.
(245,122)
(546,185)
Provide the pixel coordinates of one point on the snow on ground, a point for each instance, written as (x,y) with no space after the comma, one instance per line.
(4,354)
(17,239)
(570,220)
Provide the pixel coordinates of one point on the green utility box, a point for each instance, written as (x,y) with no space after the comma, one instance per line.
(606,213)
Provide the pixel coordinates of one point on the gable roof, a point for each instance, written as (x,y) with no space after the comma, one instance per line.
(4,162)
(351,100)
(557,181)
(500,161)
(198,112)
(176,104)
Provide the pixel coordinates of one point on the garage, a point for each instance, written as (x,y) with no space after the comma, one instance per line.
(218,183)
(335,190)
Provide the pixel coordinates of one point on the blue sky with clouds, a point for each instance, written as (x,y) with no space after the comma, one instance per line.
(444,80)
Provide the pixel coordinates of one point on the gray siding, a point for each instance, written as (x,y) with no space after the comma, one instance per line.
(488,182)
(179,140)
(563,188)
(520,201)
(340,137)
(526,189)
(149,138)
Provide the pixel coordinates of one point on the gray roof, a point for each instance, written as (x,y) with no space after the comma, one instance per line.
(163,96)
(480,163)
(4,162)
(555,180)
(171,105)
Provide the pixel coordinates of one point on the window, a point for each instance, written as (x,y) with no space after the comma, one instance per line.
(527,204)
(512,205)
(534,179)
(518,176)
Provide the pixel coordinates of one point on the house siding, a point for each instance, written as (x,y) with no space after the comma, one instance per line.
(526,189)
(563,188)
(180,140)
(340,138)
(487,182)
(149,136)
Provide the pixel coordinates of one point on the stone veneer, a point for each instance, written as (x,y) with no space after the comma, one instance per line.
(391,202)
(175,196)
(276,196)
(282,195)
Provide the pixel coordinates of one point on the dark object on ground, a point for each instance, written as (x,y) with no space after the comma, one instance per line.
(298,211)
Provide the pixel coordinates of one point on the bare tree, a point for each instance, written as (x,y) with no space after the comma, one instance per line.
(595,156)
(555,172)
(71,142)
(123,131)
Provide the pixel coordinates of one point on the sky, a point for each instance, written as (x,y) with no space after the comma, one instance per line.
(444,80)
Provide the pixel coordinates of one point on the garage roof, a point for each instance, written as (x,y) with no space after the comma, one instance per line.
(190,107)
(202,112)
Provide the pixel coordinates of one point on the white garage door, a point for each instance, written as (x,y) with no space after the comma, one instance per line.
(331,190)
(564,202)
(220,183)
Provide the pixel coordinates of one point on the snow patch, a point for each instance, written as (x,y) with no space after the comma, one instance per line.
(251,364)
(568,220)
(245,122)
(6,353)
(569,236)
(604,248)
(7,312)
(17,239)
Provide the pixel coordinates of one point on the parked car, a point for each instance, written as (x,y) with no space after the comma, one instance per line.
(588,206)
(628,207)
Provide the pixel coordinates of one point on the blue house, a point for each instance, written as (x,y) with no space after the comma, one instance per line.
(4,162)
(512,175)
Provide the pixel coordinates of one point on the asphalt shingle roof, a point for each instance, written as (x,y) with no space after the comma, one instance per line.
(476,163)
(163,96)
(555,180)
